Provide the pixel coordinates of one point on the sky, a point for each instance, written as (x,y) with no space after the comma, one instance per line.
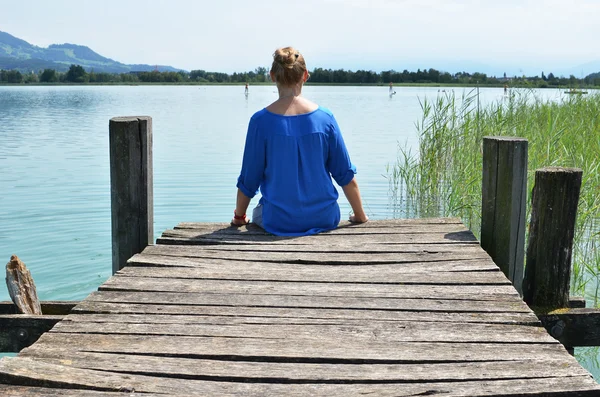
(519,37)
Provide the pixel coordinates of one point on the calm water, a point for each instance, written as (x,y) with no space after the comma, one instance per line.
(54,164)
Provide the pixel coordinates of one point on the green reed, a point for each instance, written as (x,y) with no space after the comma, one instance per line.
(444,177)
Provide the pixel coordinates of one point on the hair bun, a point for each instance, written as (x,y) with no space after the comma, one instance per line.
(288,65)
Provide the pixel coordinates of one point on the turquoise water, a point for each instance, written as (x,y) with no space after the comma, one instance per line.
(54,165)
(54,162)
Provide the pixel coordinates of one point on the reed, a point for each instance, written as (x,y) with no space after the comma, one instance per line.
(444,177)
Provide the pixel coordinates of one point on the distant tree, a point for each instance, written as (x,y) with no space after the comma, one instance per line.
(30,78)
(48,76)
(261,74)
(445,78)
(480,78)
(77,74)
(11,76)
(198,75)
(544,77)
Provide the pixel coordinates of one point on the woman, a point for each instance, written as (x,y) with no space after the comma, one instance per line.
(293,149)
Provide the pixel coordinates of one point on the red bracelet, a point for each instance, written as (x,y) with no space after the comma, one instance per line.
(236,216)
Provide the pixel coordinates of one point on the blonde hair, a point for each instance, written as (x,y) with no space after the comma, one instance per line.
(288,66)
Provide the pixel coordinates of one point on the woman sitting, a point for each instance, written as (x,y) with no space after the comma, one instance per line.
(293,149)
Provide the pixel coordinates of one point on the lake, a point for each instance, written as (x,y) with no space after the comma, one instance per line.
(54,163)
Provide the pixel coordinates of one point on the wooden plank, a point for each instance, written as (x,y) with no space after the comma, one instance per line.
(348,245)
(48,307)
(418,287)
(459,286)
(129,315)
(286,315)
(39,373)
(393,332)
(309,350)
(180,367)
(28,391)
(196,236)
(316,302)
(479,292)
(330,258)
(300,271)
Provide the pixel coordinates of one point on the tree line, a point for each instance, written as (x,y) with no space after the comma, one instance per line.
(77,74)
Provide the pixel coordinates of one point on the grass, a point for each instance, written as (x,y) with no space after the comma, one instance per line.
(444,177)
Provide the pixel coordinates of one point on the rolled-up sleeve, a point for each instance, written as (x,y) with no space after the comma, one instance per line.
(338,163)
(253,163)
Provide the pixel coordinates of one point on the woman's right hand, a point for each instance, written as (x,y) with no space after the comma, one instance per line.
(357,219)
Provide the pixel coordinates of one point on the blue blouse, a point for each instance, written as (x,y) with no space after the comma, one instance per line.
(292,160)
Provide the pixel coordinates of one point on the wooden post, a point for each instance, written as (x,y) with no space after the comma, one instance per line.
(551,231)
(504,197)
(131,187)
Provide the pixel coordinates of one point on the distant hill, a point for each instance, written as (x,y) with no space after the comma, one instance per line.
(20,55)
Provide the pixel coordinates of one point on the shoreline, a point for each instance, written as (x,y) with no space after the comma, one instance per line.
(273,84)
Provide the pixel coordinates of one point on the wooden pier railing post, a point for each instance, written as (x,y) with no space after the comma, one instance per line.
(131,187)
(504,196)
(551,232)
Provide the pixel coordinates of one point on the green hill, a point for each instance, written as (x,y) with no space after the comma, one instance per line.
(17,54)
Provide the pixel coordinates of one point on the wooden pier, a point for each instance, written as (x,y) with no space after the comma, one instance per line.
(387,308)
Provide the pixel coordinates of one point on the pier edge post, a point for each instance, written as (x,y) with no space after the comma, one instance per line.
(131,186)
(551,232)
(503,208)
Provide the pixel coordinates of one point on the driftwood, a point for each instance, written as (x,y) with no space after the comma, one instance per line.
(21,287)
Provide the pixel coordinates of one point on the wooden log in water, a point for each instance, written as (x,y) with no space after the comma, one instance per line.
(573,327)
(131,187)
(21,287)
(18,331)
(551,232)
(53,308)
(504,195)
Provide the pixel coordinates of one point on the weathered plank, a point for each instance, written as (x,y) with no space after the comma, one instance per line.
(29,391)
(292,314)
(316,302)
(48,307)
(344,246)
(418,287)
(344,333)
(330,258)
(39,373)
(180,367)
(459,286)
(309,350)
(383,237)
(300,271)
